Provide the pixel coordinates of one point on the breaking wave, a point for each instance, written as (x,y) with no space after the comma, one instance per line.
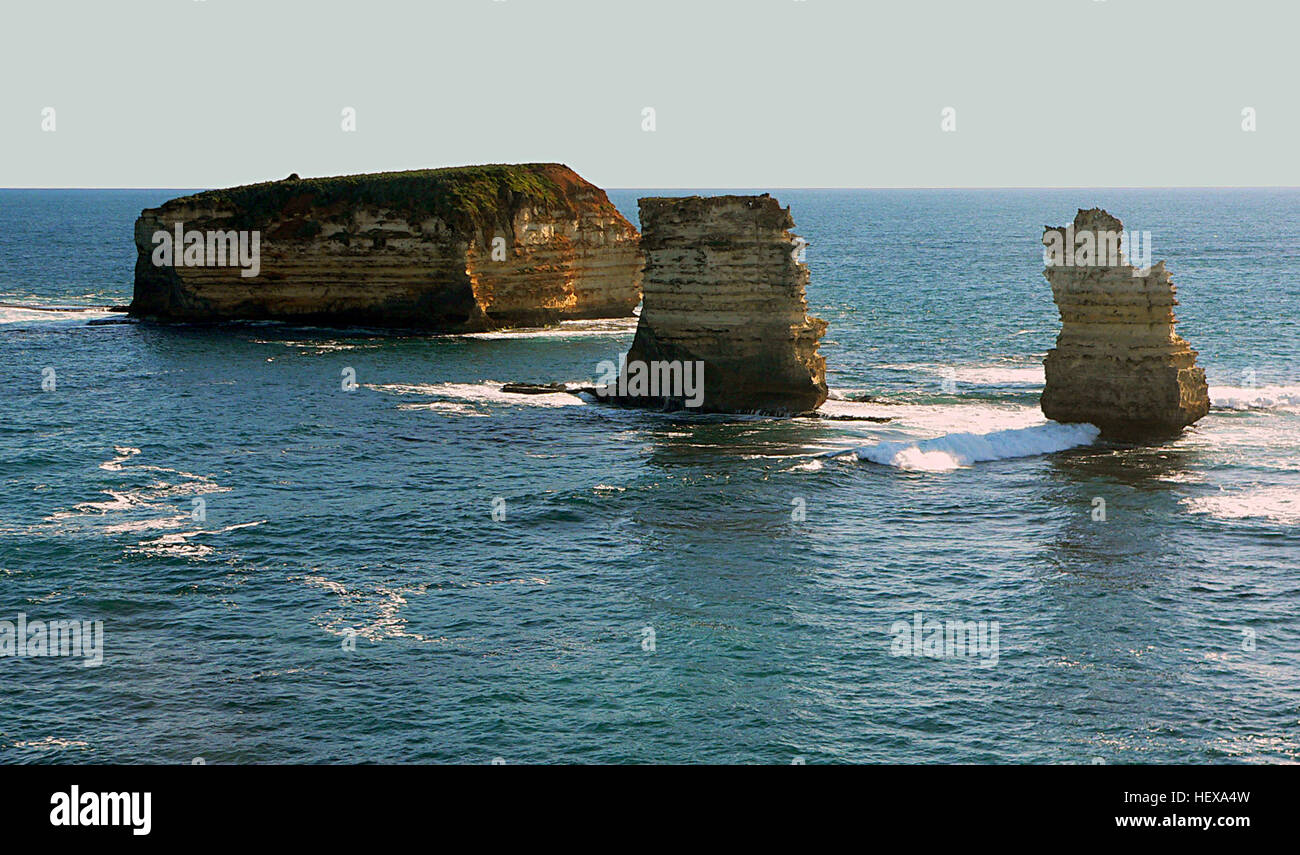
(595,328)
(938,418)
(1277,504)
(12,313)
(956,450)
(467,398)
(975,374)
(1255,398)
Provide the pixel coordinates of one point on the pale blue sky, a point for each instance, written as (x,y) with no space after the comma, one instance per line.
(764,93)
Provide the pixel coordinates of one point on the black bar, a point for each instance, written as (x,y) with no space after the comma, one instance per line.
(283,805)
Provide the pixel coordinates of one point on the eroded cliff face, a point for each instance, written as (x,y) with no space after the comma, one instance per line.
(723,286)
(1117,362)
(456,249)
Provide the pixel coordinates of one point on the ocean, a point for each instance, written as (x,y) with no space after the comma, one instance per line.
(425,569)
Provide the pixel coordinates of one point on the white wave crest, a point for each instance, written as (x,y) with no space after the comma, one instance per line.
(476,394)
(43,316)
(977,374)
(955,450)
(596,328)
(1278,503)
(1255,398)
(935,419)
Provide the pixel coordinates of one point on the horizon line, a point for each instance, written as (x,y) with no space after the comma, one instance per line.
(793,187)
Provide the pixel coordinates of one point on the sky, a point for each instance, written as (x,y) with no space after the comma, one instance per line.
(745,93)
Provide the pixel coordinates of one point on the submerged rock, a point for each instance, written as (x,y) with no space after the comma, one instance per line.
(456,249)
(1117,363)
(534,388)
(724,287)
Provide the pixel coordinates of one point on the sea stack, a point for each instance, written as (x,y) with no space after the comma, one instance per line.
(451,250)
(1117,362)
(724,286)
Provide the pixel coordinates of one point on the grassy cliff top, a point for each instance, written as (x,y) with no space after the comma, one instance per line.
(458,195)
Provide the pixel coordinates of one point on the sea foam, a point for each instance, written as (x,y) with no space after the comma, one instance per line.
(1276,503)
(976,374)
(1255,397)
(478,394)
(955,450)
(32,316)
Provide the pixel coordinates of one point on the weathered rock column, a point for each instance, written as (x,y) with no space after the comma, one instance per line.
(1117,362)
(723,285)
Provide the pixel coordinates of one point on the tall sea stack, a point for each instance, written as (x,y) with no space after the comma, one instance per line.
(455,249)
(724,286)
(1117,362)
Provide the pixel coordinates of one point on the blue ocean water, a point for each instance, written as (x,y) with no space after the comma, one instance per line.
(661,588)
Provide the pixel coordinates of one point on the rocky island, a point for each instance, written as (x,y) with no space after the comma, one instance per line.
(724,289)
(451,250)
(1117,363)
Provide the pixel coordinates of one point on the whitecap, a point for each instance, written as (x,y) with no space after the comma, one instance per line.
(450,408)
(977,374)
(973,417)
(1255,397)
(478,393)
(177,544)
(53,742)
(52,315)
(596,328)
(957,450)
(1278,504)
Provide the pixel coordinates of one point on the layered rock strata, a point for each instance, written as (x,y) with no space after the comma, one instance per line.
(724,286)
(456,249)
(1117,362)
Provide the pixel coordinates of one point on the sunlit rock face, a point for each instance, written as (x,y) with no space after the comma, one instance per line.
(456,249)
(724,285)
(1117,362)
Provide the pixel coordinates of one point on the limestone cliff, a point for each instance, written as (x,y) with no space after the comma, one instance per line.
(1117,362)
(723,286)
(455,249)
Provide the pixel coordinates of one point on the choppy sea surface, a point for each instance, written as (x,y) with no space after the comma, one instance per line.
(654,588)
